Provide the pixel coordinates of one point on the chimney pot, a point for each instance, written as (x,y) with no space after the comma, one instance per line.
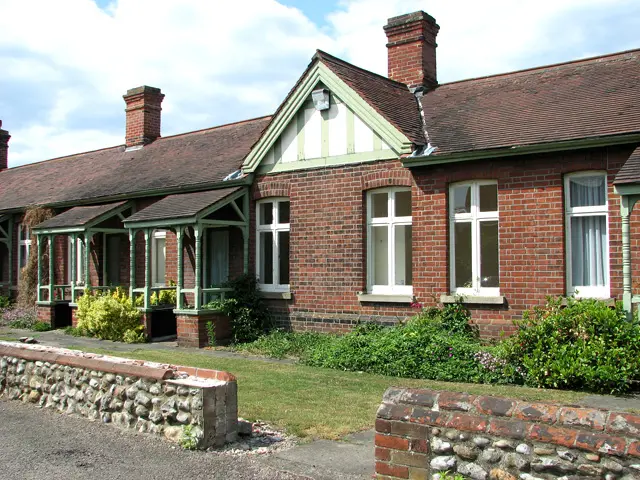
(4,148)
(411,49)
(143,115)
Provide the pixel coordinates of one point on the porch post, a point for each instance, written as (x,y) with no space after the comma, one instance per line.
(147,268)
(10,251)
(626,205)
(73,267)
(198,280)
(246,232)
(52,276)
(132,262)
(87,258)
(180,280)
(39,254)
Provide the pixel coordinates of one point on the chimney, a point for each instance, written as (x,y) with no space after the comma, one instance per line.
(143,115)
(412,49)
(4,148)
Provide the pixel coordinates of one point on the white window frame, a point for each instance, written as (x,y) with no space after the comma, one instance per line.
(26,242)
(79,260)
(156,236)
(275,228)
(474,217)
(390,221)
(603,291)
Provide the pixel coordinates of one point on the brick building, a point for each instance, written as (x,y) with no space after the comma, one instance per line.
(359,196)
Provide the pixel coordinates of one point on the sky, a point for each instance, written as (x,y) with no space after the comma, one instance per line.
(65,65)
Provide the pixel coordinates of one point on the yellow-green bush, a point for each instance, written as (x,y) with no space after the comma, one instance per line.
(110,316)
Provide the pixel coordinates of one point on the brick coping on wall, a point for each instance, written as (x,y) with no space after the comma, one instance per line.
(116,365)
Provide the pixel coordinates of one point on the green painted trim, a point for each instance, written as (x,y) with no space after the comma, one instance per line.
(223,223)
(377,142)
(52,251)
(579,144)
(627,189)
(347,159)
(10,248)
(39,252)
(197,294)
(132,263)
(74,270)
(351,133)
(180,280)
(88,236)
(300,133)
(396,140)
(221,203)
(147,268)
(58,231)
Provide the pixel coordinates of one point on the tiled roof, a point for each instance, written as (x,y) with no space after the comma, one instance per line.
(187,160)
(630,171)
(78,216)
(391,99)
(582,99)
(180,205)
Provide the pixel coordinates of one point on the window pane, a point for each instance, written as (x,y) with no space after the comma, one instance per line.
(463,270)
(266,257)
(489,267)
(588,248)
(283,257)
(461,199)
(160,256)
(266,213)
(283,212)
(379,202)
(403,254)
(24,253)
(380,253)
(403,204)
(588,191)
(489,198)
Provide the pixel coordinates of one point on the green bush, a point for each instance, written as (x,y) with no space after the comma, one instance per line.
(436,344)
(4,302)
(41,327)
(246,309)
(585,345)
(281,344)
(110,316)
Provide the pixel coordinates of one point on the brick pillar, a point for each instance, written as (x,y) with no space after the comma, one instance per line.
(4,148)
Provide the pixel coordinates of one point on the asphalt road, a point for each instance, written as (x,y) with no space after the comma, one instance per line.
(42,444)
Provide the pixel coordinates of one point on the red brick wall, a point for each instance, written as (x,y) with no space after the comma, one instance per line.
(328,251)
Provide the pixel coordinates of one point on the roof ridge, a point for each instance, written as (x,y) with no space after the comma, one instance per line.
(322,54)
(239,122)
(543,67)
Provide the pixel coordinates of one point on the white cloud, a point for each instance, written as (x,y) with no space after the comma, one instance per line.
(225,61)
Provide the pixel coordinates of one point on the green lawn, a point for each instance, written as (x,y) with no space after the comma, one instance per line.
(317,402)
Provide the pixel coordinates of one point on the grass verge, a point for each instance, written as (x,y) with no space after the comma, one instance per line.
(318,402)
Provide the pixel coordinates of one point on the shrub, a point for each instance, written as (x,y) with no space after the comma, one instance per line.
(18,317)
(110,316)
(41,327)
(246,309)
(436,344)
(585,345)
(4,302)
(281,344)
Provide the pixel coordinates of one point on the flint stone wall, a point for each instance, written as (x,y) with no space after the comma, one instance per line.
(420,433)
(148,397)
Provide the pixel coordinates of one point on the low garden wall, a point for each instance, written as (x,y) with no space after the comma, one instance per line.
(177,402)
(421,433)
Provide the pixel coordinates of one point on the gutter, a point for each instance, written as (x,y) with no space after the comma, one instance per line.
(426,160)
(246,181)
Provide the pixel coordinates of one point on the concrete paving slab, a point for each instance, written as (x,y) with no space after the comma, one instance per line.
(325,459)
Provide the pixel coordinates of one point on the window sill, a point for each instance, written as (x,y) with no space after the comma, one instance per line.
(276,295)
(367,297)
(473,300)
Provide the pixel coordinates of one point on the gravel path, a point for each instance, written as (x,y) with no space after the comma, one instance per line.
(42,444)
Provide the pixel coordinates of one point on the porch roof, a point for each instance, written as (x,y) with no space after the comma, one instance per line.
(630,171)
(80,217)
(180,207)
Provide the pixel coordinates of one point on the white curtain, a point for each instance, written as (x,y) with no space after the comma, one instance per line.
(588,191)
(588,250)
